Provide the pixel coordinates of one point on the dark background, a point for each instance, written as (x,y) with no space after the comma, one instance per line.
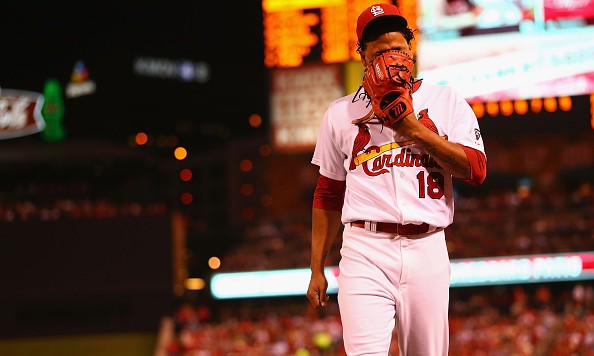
(73,276)
(43,40)
(84,275)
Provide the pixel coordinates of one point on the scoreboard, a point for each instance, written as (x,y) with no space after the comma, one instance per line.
(302,31)
(310,50)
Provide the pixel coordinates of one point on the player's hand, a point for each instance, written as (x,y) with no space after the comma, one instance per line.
(316,292)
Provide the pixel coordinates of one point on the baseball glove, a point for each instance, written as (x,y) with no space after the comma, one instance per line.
(388,81)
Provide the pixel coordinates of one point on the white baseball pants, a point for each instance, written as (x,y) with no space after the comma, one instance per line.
(388,280)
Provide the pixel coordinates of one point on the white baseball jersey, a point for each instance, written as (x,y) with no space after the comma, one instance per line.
(387,178)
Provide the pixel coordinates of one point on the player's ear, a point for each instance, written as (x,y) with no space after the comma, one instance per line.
(362,55)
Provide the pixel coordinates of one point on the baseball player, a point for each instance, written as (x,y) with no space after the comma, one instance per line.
(387,155)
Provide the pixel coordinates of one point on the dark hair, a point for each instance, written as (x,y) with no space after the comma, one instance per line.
(383,25)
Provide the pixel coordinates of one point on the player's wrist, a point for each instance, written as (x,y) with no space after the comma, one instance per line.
(317,268)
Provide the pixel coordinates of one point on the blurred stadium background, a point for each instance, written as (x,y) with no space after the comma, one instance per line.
(147,148)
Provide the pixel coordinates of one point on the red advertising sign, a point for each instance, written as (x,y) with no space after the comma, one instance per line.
(572,9)
(20,113)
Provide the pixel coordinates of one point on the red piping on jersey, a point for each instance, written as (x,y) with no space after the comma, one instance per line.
(478,166)
(329,194)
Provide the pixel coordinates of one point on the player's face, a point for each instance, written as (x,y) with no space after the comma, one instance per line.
(387,41)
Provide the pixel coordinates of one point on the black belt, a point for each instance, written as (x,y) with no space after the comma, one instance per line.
(395,228)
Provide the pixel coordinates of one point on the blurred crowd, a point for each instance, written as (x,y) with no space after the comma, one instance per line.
(518,221)
(50,196)
(25,210)
(536,212)
(543,210)
(553,320)
(541,319)
(515,221)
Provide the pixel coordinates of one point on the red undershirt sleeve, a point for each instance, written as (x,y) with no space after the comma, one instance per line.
(329,194)
(478,166)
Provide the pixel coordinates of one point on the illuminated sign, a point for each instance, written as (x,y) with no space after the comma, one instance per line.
(520,50)
(182,70)
(53,111)
(20,113)
(522,269)
(267,283)
(298,32)
(298,99)
(465,273)
(80,84)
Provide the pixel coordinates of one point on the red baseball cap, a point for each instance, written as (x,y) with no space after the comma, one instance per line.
(376,11)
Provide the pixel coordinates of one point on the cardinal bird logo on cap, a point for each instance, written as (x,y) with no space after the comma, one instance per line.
(362,139)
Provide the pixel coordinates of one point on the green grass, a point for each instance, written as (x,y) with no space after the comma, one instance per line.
(81,345)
